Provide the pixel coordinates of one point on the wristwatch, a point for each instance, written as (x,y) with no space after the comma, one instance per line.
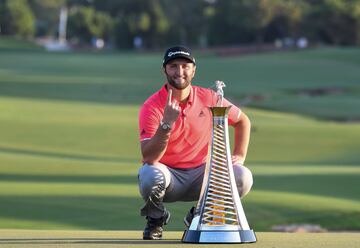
(165,126)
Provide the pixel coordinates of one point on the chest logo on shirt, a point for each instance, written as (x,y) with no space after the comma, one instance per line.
(202,114)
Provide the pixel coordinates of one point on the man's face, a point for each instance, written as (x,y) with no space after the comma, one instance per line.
(179,73)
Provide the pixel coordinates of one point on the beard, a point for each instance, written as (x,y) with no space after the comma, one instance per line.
(179,86)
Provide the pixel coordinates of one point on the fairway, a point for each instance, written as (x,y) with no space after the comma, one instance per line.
(69,149)
(16,238)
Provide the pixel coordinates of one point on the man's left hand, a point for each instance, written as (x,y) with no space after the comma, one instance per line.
(237,159)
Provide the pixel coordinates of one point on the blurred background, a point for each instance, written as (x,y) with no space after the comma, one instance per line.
(74,73)
(142,24)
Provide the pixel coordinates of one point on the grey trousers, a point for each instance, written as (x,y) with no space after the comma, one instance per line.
(159,183)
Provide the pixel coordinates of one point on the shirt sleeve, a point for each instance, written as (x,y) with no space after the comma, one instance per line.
(149,122)
(234,112)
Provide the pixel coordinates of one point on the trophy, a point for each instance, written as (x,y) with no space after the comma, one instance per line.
(219,216)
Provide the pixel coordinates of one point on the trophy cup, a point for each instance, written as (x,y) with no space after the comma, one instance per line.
(219,216)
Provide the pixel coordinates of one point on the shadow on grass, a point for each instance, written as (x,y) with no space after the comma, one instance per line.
(344,186)
(84,212)
(110,93)
(88,241)
(263,216)
(18,151)
(113,179)
(81,212)
(123,213)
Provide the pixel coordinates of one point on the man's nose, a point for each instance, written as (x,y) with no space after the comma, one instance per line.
(179,70)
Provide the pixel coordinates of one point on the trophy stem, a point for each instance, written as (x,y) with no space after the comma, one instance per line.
(219,216)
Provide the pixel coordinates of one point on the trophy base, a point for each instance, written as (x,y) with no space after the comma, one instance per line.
(240,236)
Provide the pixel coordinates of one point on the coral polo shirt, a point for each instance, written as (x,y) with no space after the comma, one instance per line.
(191,133)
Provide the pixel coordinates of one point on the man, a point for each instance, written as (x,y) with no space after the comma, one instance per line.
(175,131)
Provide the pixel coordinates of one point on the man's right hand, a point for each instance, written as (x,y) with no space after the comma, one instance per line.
(154,148)
(171,110)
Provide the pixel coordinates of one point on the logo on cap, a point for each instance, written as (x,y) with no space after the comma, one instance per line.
(170,54)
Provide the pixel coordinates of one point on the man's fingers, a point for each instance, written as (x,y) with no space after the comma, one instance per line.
(175,105)
(169,96)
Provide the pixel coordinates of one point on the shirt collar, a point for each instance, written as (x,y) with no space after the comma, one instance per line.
(163,94)
(191,95)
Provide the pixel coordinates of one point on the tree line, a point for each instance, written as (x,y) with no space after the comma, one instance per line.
(202,23)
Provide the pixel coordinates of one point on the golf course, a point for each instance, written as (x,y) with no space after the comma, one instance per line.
(69,144)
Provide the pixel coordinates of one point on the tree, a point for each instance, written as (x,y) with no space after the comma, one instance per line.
(259,14)
(191,22)
(142,18)
(47,16)
(354,10)
(17,18)
(287,21)
(237,22)
(85,23)
(186,20)
(331,21)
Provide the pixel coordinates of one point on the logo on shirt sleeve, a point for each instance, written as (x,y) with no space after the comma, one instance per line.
(143,132)
(202,114)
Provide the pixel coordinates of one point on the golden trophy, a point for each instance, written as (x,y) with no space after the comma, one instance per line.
(219,215)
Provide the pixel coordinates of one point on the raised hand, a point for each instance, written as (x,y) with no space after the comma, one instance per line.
(171,110)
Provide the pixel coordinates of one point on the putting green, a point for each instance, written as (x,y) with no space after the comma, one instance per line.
(33,238)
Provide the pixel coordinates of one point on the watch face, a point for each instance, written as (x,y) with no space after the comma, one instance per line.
(165,126)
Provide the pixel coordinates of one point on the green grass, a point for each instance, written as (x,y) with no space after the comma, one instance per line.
(16,44)
(115,78)
(74,166)
(31,238)
(69,150)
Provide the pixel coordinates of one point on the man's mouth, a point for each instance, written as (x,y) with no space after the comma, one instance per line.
(179,78)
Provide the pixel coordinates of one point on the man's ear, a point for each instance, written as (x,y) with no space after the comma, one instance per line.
(194,70)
